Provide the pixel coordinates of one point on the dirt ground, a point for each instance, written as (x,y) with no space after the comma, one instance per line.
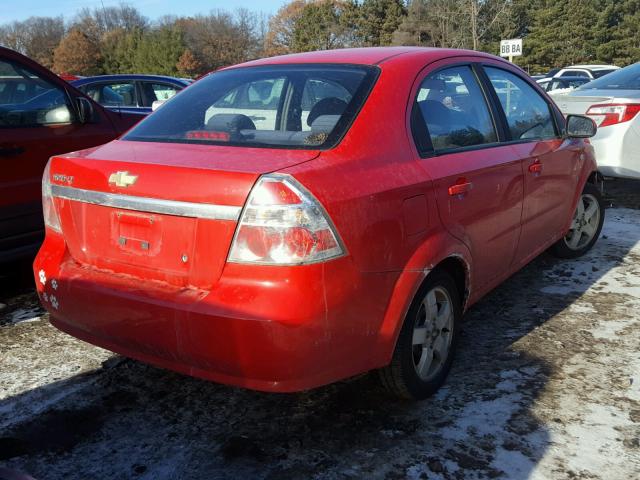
(546,385)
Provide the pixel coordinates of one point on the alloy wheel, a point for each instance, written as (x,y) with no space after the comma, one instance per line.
(432,333)
(584,224)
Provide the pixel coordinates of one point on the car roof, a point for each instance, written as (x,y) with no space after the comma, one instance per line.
(363,56)
(593,67)
(572,77)
(129,76)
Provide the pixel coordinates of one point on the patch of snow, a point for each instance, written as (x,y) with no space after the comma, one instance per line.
(483,417)
(513,463)
(580,307)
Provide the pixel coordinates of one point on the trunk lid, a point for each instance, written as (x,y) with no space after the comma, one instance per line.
(579,101)
(157,211)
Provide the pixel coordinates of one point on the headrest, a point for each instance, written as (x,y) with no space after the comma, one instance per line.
(230,122)
(434,112)
(326,106)
(324,123)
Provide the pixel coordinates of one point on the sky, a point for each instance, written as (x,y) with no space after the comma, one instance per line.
(11,10)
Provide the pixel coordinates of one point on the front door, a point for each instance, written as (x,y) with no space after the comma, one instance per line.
(550,164)
(37,121)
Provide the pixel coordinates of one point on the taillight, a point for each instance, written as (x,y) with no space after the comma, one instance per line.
(51,218)
(612,114)
(283,224)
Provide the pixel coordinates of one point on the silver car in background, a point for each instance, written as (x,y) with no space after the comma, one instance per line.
(613,101)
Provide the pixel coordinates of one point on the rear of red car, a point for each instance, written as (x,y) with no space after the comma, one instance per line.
(180,246)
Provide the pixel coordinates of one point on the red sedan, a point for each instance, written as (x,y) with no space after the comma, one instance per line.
(297,220)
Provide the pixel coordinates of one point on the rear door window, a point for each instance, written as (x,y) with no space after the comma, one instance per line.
(117,94)
(451,110)
(528,114)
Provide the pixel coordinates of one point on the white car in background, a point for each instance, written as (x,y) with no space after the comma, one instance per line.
(613,101)
(589,71)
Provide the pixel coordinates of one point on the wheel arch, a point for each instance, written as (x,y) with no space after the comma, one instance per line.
(460,272)
(455,259)
(597,179)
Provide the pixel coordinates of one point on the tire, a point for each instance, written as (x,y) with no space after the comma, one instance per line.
(585,227)
(408,376)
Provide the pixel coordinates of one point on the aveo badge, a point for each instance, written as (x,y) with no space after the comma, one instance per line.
(122,179)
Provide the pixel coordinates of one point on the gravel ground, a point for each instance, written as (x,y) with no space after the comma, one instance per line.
(546,385)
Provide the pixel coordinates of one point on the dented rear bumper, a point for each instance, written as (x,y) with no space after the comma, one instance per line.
(261,327)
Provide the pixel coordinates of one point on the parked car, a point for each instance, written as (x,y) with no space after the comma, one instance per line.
(40,115)
(131,93)
(375,196)
(613,102)
(562,85)
(588,71)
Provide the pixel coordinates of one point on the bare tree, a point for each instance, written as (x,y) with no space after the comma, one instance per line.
(451,23)
(97,22)
(221,38)
(36,37)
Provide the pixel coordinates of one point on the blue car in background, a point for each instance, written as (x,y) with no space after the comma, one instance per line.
(130,93)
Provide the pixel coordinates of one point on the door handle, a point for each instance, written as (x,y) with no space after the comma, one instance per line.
(461,187)
(535,168)
(10,151)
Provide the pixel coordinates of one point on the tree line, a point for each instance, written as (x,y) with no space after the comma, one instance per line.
(122,40)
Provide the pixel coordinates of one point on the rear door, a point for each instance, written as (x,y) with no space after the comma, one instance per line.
(478,181)
(38,119)
(550,163)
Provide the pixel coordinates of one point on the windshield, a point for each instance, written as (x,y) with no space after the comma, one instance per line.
(293,106)
(627,78)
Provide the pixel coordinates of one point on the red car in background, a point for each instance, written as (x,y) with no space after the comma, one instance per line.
(41,115)
(296,220)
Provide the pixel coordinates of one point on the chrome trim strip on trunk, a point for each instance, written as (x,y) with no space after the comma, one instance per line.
(146,204)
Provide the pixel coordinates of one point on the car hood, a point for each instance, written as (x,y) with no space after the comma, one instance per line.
(613,93)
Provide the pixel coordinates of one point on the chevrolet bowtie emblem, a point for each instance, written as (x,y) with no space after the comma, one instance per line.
(122,179)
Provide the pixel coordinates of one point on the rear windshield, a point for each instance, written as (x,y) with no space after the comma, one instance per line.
(292,106)
(627,78)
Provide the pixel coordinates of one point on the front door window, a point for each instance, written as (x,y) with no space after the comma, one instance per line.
(28,100)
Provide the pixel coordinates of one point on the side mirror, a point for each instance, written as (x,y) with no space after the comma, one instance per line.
(85,110)
(579,126)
